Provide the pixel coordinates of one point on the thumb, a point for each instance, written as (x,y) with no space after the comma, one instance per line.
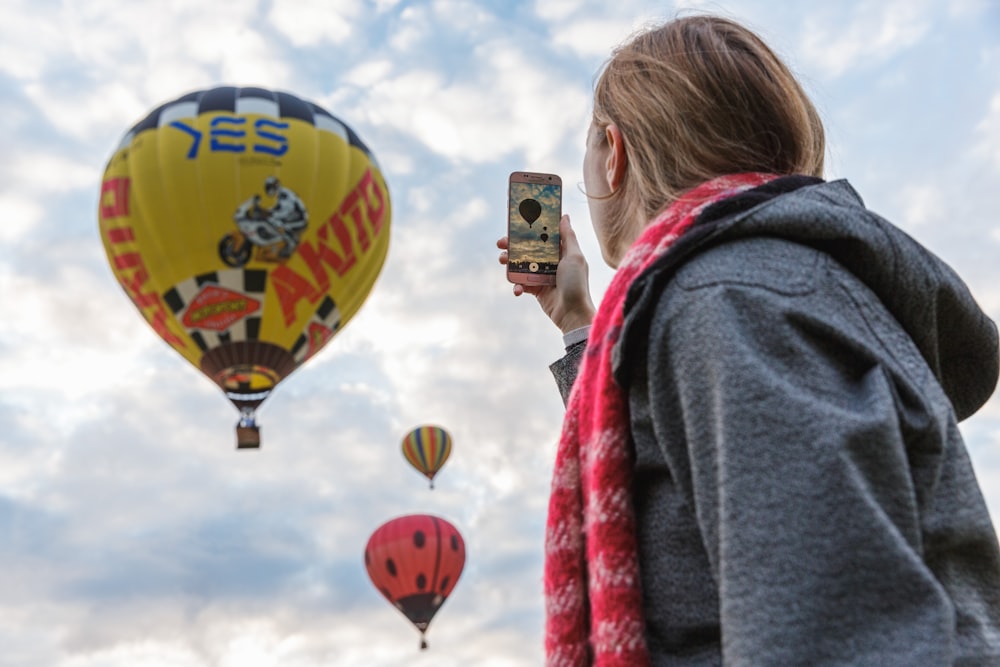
(570,244)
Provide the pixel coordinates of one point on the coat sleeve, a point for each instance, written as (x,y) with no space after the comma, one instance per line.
(565,369)
(784,428)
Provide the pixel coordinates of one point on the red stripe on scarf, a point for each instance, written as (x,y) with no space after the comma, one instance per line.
(593,598)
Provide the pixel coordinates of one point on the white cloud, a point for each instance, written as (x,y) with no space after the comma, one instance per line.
(27,35)
(593,38)
(21,213)
(232,43)
(877,30)
(369,73)
(556,11)
(87,113)
(312,22)
(414,25)
(591,32)
(44,172)
(515,104)
(922,205)
(77,337)
(464,17)
(127,58)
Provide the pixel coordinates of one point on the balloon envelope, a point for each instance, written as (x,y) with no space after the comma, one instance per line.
(415,561)
(427,448)
(529,209)
(247,226)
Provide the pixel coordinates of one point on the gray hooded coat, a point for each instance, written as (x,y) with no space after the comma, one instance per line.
(796,368)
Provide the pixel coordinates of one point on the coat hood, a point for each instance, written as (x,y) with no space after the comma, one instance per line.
(930,301)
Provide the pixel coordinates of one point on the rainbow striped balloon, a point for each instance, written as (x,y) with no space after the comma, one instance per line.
(427,448)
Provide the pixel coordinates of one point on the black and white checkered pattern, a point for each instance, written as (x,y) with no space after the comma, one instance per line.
(242,101)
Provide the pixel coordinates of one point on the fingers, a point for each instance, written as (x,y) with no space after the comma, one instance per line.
(565,227)
(570,243)
(520,289)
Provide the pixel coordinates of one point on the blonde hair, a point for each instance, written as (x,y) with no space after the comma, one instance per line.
(695,98)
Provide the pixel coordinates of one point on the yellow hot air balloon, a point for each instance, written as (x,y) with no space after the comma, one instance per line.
(247,226)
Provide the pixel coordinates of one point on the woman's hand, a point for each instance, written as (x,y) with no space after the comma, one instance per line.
(567,303)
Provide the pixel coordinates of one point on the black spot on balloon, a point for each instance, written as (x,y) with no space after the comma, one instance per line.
(368,557)
(421,582)
(390,565)
(386,593)
(444,583)
(419,539)
(454,542)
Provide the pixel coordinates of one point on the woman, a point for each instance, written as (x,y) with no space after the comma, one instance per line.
(760,462)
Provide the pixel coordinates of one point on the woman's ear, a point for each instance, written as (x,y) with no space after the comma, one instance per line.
(617,160)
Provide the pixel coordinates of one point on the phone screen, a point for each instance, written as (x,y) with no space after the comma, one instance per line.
(533,229)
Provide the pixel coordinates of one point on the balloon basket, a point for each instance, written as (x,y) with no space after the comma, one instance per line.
(247,437)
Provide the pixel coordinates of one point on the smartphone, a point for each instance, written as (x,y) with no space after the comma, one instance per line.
(534,207)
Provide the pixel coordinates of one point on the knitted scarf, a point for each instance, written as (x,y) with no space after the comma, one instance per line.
(593,600)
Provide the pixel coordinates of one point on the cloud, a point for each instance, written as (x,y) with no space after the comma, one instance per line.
(922,205)
(43,173)
(98,66)
(312,22)
(593,38)
(83,112)
(514,106)
(22,214)
(876,31)
(27,33)
(505,100)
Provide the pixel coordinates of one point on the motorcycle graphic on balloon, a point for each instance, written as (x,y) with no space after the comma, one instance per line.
(272,230)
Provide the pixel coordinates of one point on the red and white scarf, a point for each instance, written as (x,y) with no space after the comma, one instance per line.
(593,599)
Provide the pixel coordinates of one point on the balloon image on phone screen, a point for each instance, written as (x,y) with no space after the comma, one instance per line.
(534,207)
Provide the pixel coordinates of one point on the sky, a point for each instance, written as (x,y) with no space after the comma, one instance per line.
(133,533)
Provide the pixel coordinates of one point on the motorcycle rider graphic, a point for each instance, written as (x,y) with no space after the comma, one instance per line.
(273,229)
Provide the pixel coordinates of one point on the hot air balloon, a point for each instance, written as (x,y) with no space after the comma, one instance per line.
(415,561)
(529,209)
(427,448)
(247,226)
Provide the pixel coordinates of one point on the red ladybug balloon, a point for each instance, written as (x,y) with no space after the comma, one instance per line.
(415,561)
